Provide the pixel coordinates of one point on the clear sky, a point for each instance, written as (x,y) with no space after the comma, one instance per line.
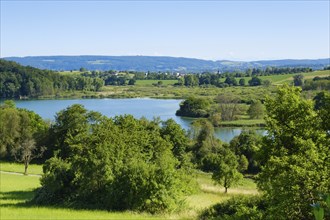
(216,30)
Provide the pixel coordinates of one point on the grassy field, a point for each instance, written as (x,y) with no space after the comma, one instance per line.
(151,82)
(19,168)
(244,123)
(173,92)
(288,78)
(16,190)
(74,72)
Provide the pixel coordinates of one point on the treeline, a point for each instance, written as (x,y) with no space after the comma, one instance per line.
(225,107)
(24,81)
(317,83)
(192,80)
(112,77)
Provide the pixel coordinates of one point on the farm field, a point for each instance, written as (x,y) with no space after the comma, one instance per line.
(17,190)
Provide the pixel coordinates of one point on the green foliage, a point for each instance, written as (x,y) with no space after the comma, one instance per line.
(194,107)
(231,81)
(215,117)
(225,170)
(115,164)
(321,208)
(228,106)
(242,82)
(237,208)
(21,134)
(190,80)
(322,106)
(205,141)
(317,83)
(248,144)
(255,81)
(295,156)
(298,80)
(173,133)
(19,81)
(212,156)
(256,110)
(69,123)
(131,82)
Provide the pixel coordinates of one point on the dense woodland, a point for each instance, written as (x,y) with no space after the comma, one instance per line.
(123,163)
(18,81)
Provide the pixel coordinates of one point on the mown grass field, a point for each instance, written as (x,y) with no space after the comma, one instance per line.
(17,190)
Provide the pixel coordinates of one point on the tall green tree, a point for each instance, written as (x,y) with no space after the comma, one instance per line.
(247,144)
(226,169)
(172,132)
(256,110)
(295,156)
(21,134)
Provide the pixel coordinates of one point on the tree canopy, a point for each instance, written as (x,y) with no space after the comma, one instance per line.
(24,81)
(194,107)
(126,164)
(295,156)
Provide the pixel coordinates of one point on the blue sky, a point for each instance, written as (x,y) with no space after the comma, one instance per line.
(216,30)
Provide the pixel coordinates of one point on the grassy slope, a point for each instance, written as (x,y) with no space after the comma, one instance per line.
(288,78)
(15,190)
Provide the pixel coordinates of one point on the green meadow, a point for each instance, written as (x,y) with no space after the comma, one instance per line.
(288,78)
(17,190)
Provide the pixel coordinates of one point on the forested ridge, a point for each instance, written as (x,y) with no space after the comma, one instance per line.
(17,81)
(157,63)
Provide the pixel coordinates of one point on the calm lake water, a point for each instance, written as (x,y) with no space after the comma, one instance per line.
(139,107)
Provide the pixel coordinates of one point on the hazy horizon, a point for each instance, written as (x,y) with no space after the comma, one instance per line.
(236,60)
(208,30)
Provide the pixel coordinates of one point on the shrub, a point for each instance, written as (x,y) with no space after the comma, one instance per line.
(237,208)
(115,164)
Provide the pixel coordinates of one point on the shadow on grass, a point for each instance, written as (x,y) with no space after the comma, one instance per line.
(16,195)
(23,199)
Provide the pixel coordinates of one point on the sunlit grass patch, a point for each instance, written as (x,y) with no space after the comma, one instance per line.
(19,168)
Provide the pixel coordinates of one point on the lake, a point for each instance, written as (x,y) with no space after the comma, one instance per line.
(138,107)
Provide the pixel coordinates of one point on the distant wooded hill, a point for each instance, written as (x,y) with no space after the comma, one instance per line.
(156,63)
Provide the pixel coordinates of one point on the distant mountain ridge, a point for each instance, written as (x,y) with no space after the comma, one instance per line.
(157,63)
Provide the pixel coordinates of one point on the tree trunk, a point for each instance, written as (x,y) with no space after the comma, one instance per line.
(26,164)
(225,185)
